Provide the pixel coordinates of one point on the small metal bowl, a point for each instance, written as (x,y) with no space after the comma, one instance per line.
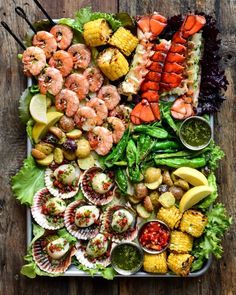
(122,271)
(188,146)
(141,230)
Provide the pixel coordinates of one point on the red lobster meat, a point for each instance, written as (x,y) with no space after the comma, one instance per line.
(149,27)
(166,69)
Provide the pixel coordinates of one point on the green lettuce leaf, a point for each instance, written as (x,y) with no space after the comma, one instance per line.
(63,233)
(24,102)
(208,201)
(29,128)
(27,181)
(210,243)
(213,153)
(113,22)
(107,273)
(38,232)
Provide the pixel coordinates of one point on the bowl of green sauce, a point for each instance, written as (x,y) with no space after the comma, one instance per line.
(127,258)
(195,133)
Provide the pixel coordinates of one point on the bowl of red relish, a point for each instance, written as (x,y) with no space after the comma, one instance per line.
(154,236)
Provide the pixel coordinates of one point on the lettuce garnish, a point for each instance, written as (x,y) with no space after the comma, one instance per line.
(27,181)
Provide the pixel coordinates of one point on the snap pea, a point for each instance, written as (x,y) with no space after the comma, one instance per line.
(118,151)
(121,179)
(153,131)
(144,146)
(135,174)
(131,153)
(121,163)
(167,144)
(179,162)
(166,115)
(173,155)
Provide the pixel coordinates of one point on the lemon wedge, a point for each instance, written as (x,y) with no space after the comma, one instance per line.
(40,129)
(193,196)
(191,175)
(38,108)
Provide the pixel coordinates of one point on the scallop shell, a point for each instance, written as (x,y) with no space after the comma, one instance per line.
(45,263)
(81,256)
(128,235)
(37,214)
(90,194)
(80,233)
(54,190)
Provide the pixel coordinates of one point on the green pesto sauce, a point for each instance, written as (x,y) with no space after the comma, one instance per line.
(196,132)
(126,257)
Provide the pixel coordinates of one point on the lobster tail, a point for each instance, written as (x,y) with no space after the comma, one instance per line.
(192,24)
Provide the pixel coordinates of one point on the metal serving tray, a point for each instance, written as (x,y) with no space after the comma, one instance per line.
(74,272)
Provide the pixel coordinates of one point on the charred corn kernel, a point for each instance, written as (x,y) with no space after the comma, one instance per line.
(124,40)
(113,64)
(97,32)
(193,223)
(171,216)
(155,263)
(180,242)
(180,263)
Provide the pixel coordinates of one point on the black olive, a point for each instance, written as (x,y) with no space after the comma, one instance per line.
(51,138)
(206,171)
(70,145)
(163,188)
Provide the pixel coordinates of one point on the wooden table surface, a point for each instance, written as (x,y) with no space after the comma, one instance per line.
(220,279)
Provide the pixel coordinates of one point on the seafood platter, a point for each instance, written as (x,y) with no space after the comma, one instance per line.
(120,174)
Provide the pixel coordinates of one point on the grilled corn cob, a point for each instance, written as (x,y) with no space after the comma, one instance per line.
(180,263)
(113,64)
(171,216)
(193,222)
(124,40)
(97,32)
(180,242)
(155,263)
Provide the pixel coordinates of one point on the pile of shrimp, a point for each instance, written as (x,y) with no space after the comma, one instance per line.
(66,71)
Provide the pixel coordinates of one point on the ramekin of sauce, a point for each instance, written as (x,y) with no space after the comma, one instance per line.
(154,236)
(127,258)
(195,133)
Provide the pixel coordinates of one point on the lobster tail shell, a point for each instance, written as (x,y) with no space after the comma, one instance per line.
(192,24)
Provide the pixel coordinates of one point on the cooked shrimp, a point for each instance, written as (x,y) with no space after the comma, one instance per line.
(110,95)
(182,108)
(67,100)
(85,118)
(100,139)
(122,112)
(81,55)
(63,61)
(51,81)
(34,60)
(100,108)
(63,35)
(79,84)
(46,41)
(94,77)
(117,127)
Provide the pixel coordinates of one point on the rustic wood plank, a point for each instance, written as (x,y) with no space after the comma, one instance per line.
(221,277)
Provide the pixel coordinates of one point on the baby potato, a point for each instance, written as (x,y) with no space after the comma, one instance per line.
(166,178)
(148,204)
(152,174)
(182,183)
(83,148)
(140,191)
(69,156)
(154,196)
(177,192)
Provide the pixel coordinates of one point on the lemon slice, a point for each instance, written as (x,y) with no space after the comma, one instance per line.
(38,108)
(193,196)
(191,175)
(40,129)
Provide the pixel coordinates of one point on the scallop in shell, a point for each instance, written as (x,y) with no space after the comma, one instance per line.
(95,251)
(47,210)
(120,222)
(53,254)
(97,186)
(82,220)
(63,182)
